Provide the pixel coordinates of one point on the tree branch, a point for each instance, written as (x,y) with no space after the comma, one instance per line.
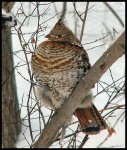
(84,21)
(64,10)
(115,51)
(114,13)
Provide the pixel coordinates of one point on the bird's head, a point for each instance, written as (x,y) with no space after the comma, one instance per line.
(60,32)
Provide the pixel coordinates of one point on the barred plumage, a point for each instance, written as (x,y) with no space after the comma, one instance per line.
(60,67)
(58,64)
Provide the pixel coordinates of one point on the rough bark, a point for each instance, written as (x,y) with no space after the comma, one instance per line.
(10,107)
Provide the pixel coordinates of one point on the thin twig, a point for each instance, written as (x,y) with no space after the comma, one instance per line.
(74,4)
(30,128)
(95,46)
(55,9)
(96,40)
(84,20)
(63,10)
(85,139)
(108,135)
(107,108)
(114,13)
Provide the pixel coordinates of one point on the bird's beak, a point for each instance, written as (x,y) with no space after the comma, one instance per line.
(47,36)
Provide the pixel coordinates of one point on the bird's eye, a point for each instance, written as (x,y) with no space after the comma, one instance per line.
(59,35)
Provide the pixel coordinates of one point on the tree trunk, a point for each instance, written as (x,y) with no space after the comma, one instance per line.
(10,106)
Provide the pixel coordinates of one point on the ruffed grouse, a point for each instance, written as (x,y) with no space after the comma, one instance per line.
(58,64)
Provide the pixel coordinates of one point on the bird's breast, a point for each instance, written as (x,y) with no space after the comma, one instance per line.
(50,59)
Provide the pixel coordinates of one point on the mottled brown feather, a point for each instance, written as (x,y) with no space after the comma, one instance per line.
(58,64)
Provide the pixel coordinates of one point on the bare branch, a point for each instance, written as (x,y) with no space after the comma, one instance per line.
(84,20)
(96,40)
(64,10)
(115,51)
(118,107)
(74,4)
(113,127)
(115,14)
(85,139)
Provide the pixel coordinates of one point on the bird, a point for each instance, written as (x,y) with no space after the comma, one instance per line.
(58,64)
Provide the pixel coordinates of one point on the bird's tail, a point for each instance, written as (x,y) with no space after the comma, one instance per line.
(90,120)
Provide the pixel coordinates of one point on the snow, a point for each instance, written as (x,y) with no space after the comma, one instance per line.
(94,30)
